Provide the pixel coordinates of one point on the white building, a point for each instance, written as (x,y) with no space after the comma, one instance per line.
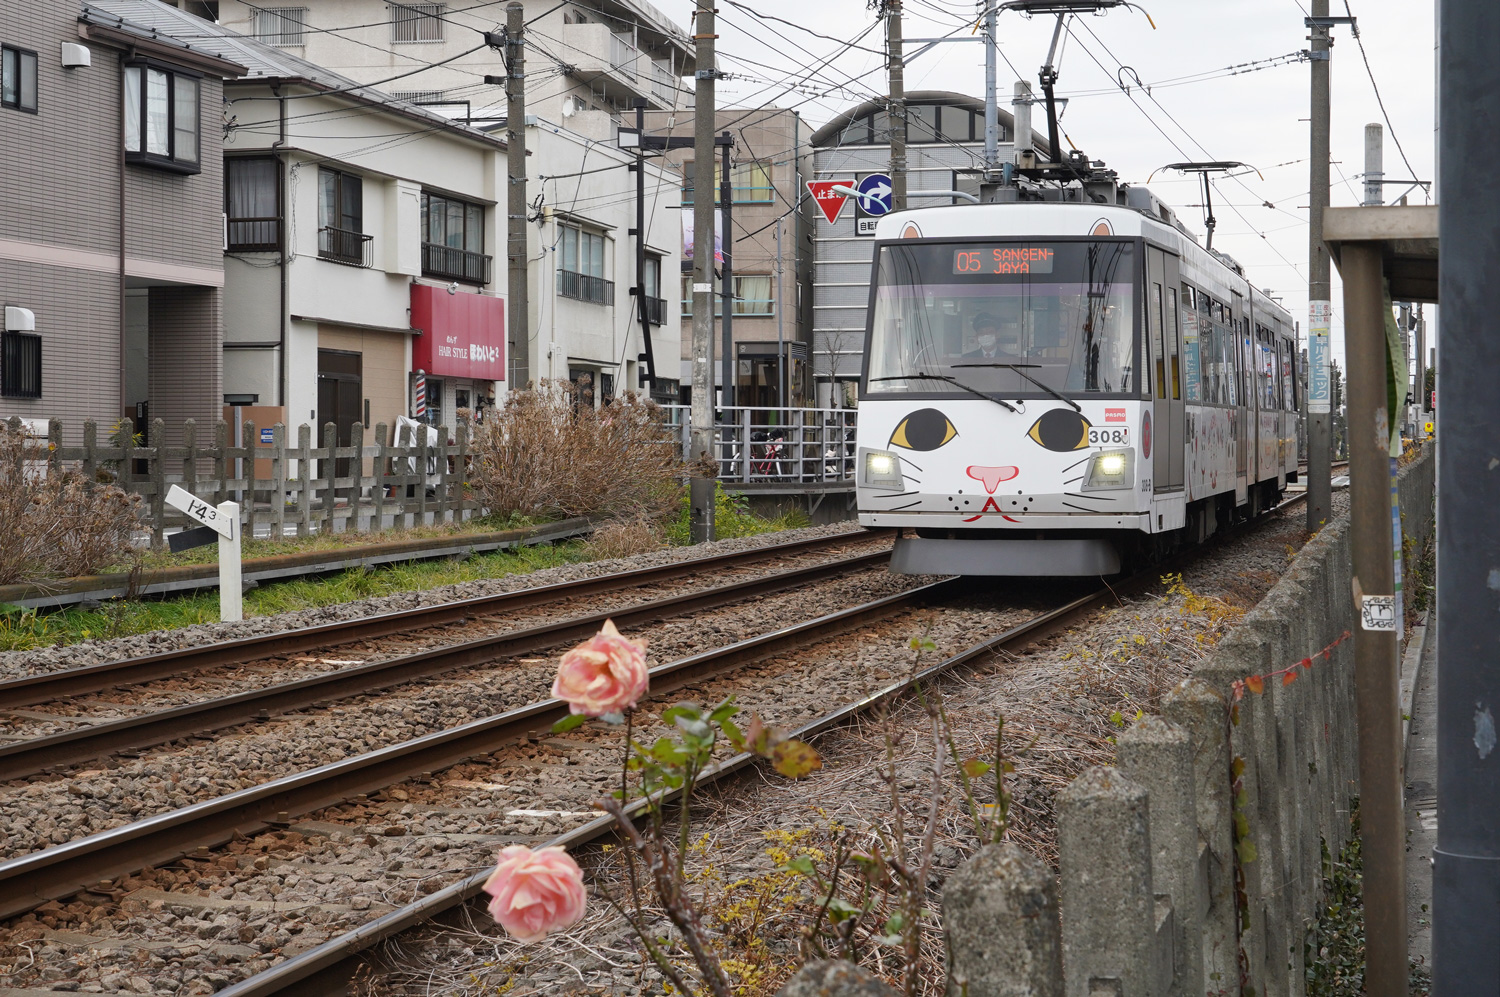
(585,66)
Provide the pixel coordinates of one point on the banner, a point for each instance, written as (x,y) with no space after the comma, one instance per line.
(687,235)
(1319,373)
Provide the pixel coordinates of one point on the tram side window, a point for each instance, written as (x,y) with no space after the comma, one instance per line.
(1289,374)
(1193,374)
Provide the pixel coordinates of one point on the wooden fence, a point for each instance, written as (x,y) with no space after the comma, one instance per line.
(282,487)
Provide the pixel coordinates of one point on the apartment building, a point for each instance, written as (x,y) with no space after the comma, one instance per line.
(111,261)
(945,151)
(770,252)
(359,241)
(592,59)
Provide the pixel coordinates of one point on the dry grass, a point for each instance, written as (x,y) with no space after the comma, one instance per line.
(540,455)
(623,538)
(57,524)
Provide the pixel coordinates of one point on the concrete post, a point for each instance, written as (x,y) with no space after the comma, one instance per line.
(1109,910)
(1158,756)
(1195,707)
(1000,926)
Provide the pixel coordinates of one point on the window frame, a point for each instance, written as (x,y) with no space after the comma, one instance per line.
(13,342)
(170,162)
(470,226)
(339,249)
(296,16)
(234,246)
(417,17)
(739,192)
(21,55)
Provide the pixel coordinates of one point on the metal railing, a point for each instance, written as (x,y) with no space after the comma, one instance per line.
(254,235)
(585,288)
(786,445)
(343,246)
(663,84)
(623,54)
(656,311)
(455,264)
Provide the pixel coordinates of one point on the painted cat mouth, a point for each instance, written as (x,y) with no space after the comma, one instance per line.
(992,476)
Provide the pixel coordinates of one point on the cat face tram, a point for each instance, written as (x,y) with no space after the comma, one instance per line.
(1024,404)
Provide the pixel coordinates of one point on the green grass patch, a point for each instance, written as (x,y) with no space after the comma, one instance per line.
(22,630)
(733,519)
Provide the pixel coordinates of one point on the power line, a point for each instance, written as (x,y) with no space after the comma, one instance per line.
(1376,87)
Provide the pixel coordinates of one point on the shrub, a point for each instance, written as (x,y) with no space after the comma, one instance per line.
(733,519)
(622,538)
(57,524)
(540,454)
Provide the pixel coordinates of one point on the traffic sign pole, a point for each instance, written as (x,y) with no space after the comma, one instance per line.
(231,593)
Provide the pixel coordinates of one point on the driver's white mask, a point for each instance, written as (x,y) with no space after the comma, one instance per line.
(987,341)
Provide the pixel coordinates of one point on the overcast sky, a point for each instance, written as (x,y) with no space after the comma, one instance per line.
(1256,117)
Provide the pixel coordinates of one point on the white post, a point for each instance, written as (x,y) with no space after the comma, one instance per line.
(231,597)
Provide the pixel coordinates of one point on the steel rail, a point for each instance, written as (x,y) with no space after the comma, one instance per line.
(31,880)
(328,969)
(70,747)
(49,686)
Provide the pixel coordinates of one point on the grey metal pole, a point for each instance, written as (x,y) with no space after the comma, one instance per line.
(517,311)
(991,107)
(781,386)
(726,208)
(1374,165)
(701,487)
(1020,109)
(897,111)
(1466,861)
(1319,291)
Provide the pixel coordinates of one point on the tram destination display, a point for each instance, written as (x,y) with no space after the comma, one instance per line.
(1003,259)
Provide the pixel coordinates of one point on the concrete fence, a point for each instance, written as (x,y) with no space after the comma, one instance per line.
(1194,865)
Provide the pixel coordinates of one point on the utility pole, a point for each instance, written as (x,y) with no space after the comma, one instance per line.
(1465,870)
(896,67)
(1319,286)
(700,488)
(726,200)
(640,240)
(781,386)
(991,108)
(517,312)
(1374,165)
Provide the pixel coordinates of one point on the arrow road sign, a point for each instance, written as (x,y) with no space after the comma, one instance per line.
(829,202)
(875,194)
(194,507)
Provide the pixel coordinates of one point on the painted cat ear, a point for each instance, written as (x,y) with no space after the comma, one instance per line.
(925,429)
(1060,430)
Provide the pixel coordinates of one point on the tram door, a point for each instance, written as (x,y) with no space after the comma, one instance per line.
(1168,431)
(1244,413)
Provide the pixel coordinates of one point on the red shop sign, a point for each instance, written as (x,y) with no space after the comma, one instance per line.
(462,334)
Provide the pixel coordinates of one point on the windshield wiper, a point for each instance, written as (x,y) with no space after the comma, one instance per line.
(953,381)
(1017,368)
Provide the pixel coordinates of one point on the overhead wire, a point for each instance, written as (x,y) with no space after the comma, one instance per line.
(1365,56)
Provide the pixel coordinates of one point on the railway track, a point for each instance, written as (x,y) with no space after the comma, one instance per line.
(99,863)
(71,747)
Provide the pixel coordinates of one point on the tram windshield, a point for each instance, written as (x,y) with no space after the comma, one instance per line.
(1004,317)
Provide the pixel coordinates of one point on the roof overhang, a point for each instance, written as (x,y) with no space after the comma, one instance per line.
(160,47)
(1408,239)
(394,106)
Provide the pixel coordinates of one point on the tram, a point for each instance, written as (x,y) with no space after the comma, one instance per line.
(1066,384)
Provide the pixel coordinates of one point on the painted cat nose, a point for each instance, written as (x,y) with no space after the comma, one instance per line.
(992,476)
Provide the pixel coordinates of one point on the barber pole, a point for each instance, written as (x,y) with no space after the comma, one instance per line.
(419,396)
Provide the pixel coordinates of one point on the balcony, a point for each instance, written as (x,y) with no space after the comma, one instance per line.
(253,235)
(656,311)
(343,246)
(611,64)
(585,288)
(455,264)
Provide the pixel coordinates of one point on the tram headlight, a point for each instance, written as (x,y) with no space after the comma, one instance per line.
(1110,469)
(882,470)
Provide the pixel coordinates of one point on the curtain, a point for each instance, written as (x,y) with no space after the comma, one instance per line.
(133,109)
(752,295)
(158,114)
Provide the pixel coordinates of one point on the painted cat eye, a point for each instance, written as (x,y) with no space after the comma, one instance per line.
(1060,430)
(924,429)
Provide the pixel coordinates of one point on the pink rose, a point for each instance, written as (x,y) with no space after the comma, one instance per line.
(535,891)
(604,674)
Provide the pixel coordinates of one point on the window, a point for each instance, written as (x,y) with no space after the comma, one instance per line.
(656,307)
(752,296)
(453,239)
(284,27)
(161,118)
(341,219)
(21,365)
(419,96)
(252,187)
(751,183)
(580,266)
(18,78)
(417,22)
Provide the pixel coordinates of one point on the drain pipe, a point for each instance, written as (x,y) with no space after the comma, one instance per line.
(281,185)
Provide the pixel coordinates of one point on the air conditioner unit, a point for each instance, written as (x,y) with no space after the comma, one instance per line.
(75,55)
(19,319)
